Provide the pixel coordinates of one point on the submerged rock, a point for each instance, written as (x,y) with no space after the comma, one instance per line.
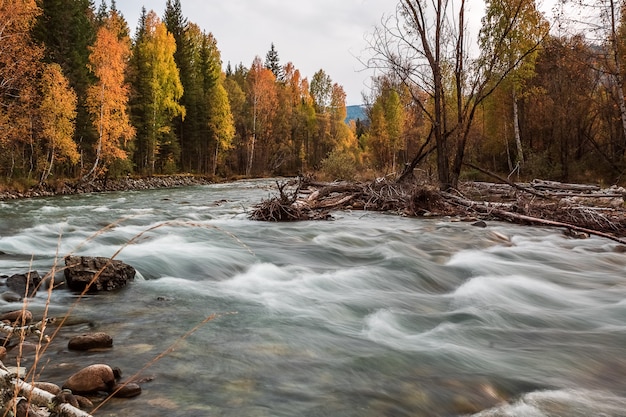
(25,285)
(89,341)
(11,297)
(96,273)
(19,316)
(127,390)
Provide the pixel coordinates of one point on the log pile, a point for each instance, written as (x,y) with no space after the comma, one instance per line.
(580,209)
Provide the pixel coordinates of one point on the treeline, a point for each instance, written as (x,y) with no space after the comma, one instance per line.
(531,105)
(80,98)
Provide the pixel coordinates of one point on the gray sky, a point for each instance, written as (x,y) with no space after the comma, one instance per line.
(312,34)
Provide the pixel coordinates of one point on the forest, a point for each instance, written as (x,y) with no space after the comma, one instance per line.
(82,99)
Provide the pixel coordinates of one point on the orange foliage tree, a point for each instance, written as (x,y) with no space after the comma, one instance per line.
(107,99)
(19,63)
(263,101)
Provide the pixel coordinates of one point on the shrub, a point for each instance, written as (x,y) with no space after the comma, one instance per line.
(339,165)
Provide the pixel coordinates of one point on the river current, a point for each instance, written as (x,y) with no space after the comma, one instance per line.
(370,314)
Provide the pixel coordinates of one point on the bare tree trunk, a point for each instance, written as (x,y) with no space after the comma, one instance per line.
(518,139)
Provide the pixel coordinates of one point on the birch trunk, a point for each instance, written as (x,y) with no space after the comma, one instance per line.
(38,396)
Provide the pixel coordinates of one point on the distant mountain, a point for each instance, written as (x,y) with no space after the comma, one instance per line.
(356,112)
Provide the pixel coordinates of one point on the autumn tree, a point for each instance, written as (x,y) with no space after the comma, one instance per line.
(220,121)
(156,95)
(58,113)
(262,100)
(519,27)
(425,46)
(303,117)
(107,99)
(19,66)
(566,125)
(67,30)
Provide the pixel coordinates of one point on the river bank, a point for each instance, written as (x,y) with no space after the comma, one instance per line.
(103,185)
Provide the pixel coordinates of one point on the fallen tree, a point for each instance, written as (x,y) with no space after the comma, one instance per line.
(585,209)
(33,396)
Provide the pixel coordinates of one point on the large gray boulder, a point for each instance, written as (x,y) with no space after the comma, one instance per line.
(81,271)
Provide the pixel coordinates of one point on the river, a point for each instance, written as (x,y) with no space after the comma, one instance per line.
(370,314)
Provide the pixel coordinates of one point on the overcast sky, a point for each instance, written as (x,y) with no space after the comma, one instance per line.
(312,34)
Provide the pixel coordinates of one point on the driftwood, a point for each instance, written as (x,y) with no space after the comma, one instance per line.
(36,396)
(35,329)
(486,208)
(581,210)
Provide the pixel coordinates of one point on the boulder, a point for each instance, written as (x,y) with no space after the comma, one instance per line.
(89,341)
(96,273)
(92,379)
(19,283)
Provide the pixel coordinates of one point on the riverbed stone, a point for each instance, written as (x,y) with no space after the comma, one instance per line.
(92,379)
(19,316)
(24,284)
(11,297)
(53,389)
(127,390)
(99,340)
(97,273)
(66,397)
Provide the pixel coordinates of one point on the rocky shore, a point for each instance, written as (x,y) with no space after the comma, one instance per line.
(103,185)
(24,341)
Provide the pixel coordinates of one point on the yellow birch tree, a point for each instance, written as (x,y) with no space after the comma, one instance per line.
(58,112)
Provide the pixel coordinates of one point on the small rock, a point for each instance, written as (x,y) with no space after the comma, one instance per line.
(53,389)
(19,316)
(480,223)
(11,297)
(91,379)
(20,282)
(66,396)
(3,353)
(89,341)
(126,390)
(83,402)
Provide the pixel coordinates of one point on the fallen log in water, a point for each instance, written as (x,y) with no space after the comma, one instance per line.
(606,218)
(522,218)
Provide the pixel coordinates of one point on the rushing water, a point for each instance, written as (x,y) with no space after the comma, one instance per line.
(367,315)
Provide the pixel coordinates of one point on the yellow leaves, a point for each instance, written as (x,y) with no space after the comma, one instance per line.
(158,47)
(107,100)
(58,111)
